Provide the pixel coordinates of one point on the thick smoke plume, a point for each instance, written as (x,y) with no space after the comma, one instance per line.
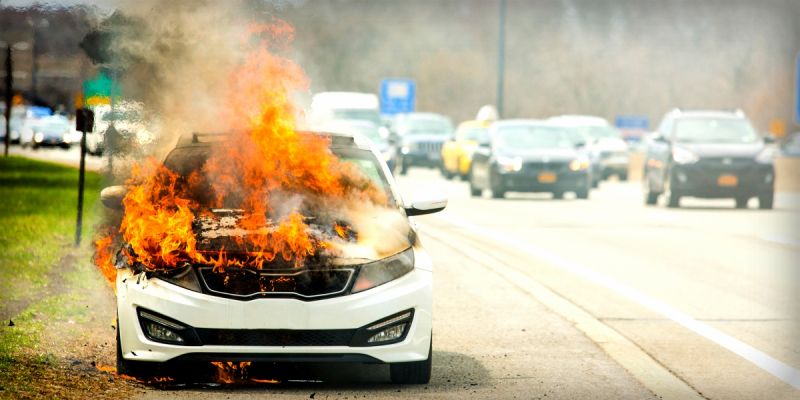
(218,67)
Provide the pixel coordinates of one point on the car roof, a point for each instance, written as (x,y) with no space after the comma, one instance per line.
(474,123)
(521,121)
(579,120)
(678,113)
(338,140)
(422,115)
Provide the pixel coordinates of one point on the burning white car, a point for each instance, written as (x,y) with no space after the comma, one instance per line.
(311,281)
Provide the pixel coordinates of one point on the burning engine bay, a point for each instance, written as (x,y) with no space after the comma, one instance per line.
(263,197)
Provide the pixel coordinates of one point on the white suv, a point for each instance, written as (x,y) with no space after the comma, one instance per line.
(370,311)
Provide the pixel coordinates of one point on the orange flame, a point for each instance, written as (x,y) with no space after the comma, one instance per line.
(263,157)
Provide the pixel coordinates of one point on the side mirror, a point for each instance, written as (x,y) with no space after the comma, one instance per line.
(769,139)
(426,207)
(112,196)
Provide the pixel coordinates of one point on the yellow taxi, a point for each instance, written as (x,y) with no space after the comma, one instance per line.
(457,152)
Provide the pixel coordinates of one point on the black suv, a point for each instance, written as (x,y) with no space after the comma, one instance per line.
(709,154)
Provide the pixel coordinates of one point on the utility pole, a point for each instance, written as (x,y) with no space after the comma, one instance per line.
(9,97)
(501,58)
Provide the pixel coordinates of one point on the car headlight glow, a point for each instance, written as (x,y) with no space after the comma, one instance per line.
(38,137)
(767,156)
(509,164)
(580,164)
(382,271)
(684,156)
(405,149)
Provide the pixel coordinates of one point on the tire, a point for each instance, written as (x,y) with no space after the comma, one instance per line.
(403,167)
(765,201)
(673,200)
(498,192)
(650,197)
(623,176)
(558,195)
(741,202)
(474,191)
(137,369)
(412,373)
(582,194)
(595,183)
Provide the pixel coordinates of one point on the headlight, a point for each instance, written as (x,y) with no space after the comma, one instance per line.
(579,164)
(379,272)
(509,164)
(767,156)
(405,149)
(683,156)
(38,137)
(184,277)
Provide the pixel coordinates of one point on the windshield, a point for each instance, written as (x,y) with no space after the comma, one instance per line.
(714,130)
(476,134)
(358,113)
(534,137)
(186,160)
(427,126)
(53,127)
(370,132)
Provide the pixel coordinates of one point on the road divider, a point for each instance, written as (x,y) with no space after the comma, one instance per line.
(773,366)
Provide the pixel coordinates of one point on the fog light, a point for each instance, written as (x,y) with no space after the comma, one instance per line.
(388,334)
(161,333)
(160,329)
(682,177)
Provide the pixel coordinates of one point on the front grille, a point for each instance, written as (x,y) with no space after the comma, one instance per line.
(536,167)
(249,283)
(275,337)
(612,154)
(428,147)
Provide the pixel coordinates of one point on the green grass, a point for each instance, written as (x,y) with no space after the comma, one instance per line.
(38,206)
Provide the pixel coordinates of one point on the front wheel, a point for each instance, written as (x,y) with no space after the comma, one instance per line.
(136,369)
(498,191)
(474,191)
(741,202)
(403,167)
(582,194)
(415,372)
(765,201)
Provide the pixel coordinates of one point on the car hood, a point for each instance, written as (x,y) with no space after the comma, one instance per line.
(424,137)
(610,144)
(541,155)
(739,150)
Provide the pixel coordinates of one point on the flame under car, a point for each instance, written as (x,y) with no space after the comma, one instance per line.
(370,309)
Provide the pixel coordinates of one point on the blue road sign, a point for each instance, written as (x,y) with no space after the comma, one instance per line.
(632,122)
(797,90)
(397,96)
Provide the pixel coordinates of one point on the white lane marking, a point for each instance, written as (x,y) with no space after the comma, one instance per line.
(777,368)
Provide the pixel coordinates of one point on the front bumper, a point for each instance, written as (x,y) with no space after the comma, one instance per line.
(532,182)
(422,159)
(703,179)
(202,311)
